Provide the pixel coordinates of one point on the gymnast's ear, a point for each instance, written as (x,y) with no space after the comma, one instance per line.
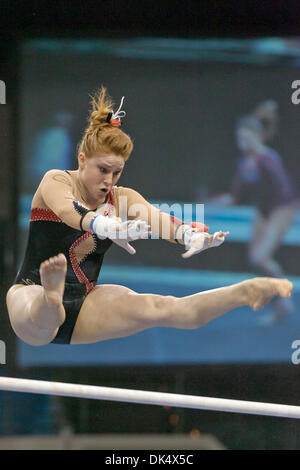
(81,160)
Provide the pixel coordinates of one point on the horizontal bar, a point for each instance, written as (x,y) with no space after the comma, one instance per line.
(147,398)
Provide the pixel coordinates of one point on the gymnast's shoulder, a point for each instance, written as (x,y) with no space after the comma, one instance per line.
(119,191)
(52,178)
(55,174)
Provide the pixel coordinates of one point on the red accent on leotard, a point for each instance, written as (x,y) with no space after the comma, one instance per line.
(75,264)
(110,202)
(44,214)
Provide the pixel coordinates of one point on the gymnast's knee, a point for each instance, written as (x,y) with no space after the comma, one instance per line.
(164,308)
(33,338)
(152,309)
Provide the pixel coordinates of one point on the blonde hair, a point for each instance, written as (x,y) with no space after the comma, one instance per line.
(100,137)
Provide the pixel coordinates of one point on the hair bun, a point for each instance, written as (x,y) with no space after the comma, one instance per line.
(103,135)
(102,105)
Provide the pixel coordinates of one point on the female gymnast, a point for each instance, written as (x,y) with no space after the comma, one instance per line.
(75,217)
(262,180)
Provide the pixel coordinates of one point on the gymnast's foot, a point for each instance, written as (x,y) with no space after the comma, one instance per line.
(53,273)
(261,290)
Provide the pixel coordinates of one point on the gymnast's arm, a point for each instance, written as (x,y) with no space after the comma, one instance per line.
(167,227)
(132,205)
(267,114)
(57,194)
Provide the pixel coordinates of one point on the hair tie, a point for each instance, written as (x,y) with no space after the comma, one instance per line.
(114,119)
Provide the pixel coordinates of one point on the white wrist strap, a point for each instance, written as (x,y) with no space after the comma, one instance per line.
(103,226)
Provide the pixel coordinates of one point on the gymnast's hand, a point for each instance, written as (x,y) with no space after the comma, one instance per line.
(195,242)
(121,233)
(130,231)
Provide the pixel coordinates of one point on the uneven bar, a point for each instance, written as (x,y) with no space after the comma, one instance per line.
(148,398)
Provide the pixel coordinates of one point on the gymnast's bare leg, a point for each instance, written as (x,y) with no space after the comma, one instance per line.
(112,311)
(35,311)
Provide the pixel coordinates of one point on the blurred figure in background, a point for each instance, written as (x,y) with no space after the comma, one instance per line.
(53,146)
(261,180)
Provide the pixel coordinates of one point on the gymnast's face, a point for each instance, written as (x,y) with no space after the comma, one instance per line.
(99,174)
(247,140)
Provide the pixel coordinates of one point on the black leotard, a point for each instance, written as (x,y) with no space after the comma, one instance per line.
(49,236)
